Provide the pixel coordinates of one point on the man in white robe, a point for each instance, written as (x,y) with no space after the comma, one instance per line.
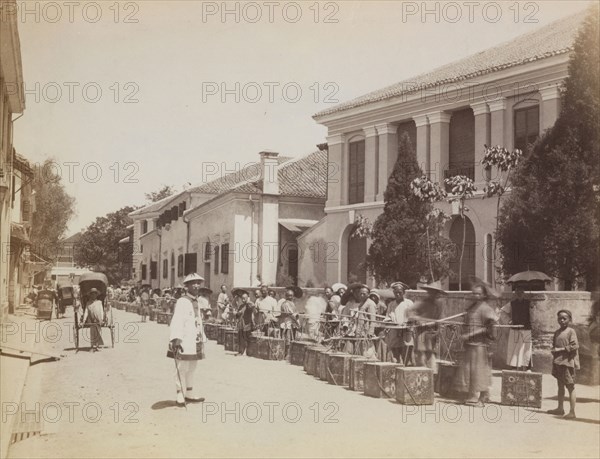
(186,341)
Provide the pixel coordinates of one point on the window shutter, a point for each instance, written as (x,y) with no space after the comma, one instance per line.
(144,272)
(207,252)
(216,267)
(180,265)
(190,263)
(225,258)
(153,269)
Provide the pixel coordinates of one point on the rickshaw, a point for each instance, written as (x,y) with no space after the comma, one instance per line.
(98,281)
(45,304)
(66,297)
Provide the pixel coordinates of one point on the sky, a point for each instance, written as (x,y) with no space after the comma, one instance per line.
(129,96)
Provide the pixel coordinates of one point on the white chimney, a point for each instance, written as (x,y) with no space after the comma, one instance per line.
(269,168)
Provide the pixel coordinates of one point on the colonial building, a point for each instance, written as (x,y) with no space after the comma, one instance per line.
(21,265)
(235,229)
(64,269)
(507,95)
(12,102)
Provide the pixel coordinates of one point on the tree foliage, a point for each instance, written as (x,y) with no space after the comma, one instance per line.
(99,247)
(551,220)
(399,250)
(164,192)
(54,207)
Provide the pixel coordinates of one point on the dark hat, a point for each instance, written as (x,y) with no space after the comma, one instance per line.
(435,287)
(376,295)
(239,292)
(297,291)
(93,290)
(399,284)
(355,285)
(205,290)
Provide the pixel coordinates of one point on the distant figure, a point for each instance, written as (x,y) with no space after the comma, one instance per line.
(246,323)
(400,341)
(566,361)
(145,300)
(475,372)
(520,345)
(288,319)
(315,306)
(594,325)
(94,315)
(223,302)
(425,311)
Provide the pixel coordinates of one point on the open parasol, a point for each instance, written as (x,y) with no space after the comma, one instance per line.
(529,276)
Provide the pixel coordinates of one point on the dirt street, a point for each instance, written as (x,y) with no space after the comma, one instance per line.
(120,403)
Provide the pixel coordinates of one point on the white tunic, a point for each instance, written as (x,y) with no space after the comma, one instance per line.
(186,326)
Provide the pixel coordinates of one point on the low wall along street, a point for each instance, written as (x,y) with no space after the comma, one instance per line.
(545,305)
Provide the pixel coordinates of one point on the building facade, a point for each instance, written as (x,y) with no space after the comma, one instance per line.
(235,229)
(12,102)
(64,269)
(507,95)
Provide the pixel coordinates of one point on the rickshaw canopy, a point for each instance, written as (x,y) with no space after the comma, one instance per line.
(93,280)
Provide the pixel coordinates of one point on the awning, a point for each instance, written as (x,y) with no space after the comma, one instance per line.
(18,234)
(297,225)
(125,240)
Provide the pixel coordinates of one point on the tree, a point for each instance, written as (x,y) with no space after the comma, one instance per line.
(551,220)
(165,191)
(54,207)
(99,245)
(399,246)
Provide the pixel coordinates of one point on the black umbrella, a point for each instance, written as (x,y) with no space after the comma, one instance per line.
(529,276)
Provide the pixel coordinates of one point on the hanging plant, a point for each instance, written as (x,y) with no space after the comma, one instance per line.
(363,227)
(426,190)
(504,160)
(462,187)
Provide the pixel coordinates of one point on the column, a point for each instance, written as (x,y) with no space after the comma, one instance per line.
(371,162)
(550,107)
(439,135)
(481,113)
(388,153)
(422,147)
(497,134)
(335,171)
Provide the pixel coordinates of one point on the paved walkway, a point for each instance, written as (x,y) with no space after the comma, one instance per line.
(120,403)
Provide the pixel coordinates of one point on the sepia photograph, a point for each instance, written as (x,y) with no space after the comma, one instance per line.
(299,229)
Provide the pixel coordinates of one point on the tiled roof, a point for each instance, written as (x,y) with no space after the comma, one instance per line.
(73,239)
(155,206)
(303,177)
(553,39)
(227,182)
